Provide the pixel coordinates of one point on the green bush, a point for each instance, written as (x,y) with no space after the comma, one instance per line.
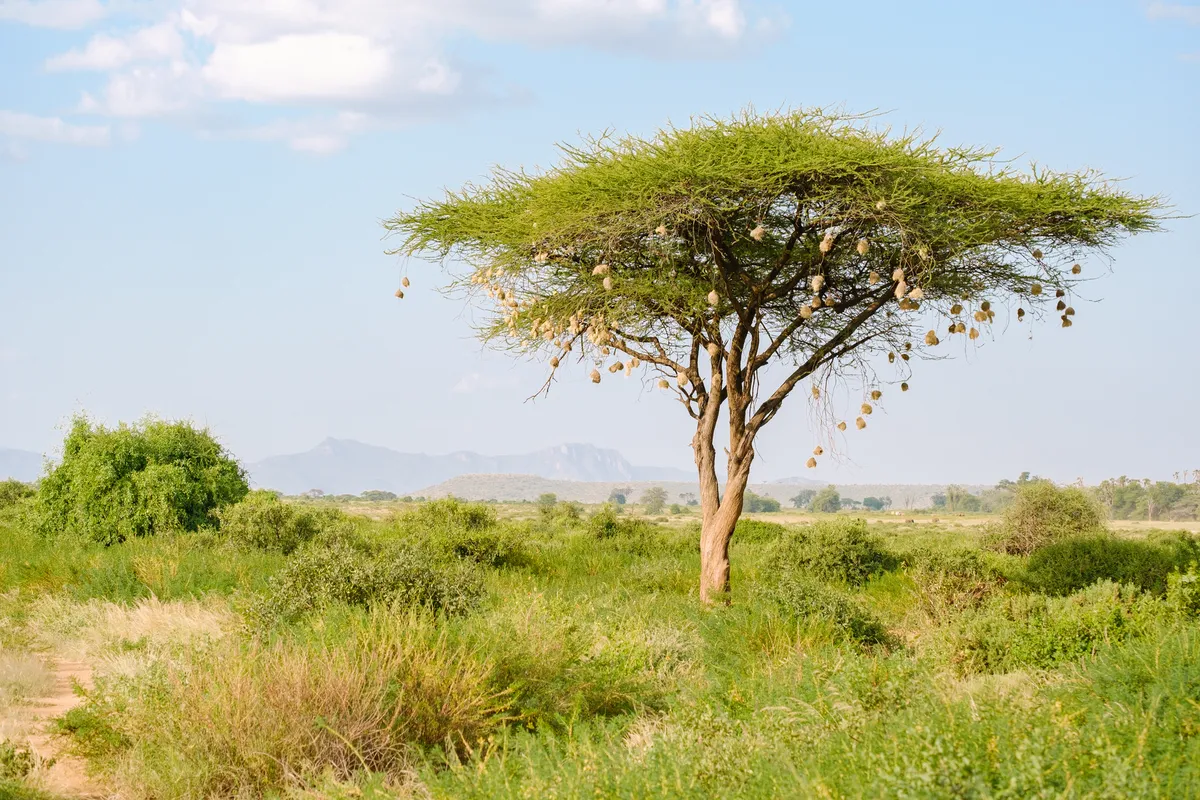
(264,522)
(1043,513)
(1039,632)
(606,523)
(1068,565)
(13,492)
(360,575)
(755,530)
(135,480)
(754,503)
(806,598)
(450,512)
(464,530)
(947,580)
(1183,590)
(831,550)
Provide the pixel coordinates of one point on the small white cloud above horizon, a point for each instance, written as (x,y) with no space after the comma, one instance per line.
(16,128)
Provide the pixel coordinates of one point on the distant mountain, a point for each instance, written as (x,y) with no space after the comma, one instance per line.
(21,465)
(343,466)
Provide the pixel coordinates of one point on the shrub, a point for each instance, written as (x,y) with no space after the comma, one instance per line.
(450,512)
(1043,513)
(136,480)
(1183,590)
(1038,632)
(358,575)
(606,523)
(755,530)
(13,492)
(1068,565)
(264,522)
(754,503)
(826,501)
(15,761)
(948,580)
(832,550)
(806,598)
(464,530)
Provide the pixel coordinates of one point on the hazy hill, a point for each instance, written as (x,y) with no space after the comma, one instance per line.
(20,464)
(342,466)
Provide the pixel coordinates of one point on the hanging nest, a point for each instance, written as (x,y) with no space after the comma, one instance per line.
(713,298)
(554,362)
(873,278)
(758,233)
(818,450)
(542,258)
(960,327)
(980,316)
(811,463)
(1066,321)
(816,302)
(841,426)
(908,345)
(985,306)
(826,243)
(681,378)
(607,284)
(1020,314)
(1060,293)
(876,394)
(916,294)
(1075,270)
(830,302)
(862,247)
(898,275)
(601,269)
(628,370)
(860,423)
(891,358)
(816,392)
(615,367)
(956,308)
(713,350)
(866,409)
(595,376)
(817,282)
(904,356)
(635,362)
(604,351)
(404,282)
(1036,289)
(1070,312)
(881,205)
(904,387)
(400,293)
(931,339)
(663,383)
(806,312)
(1037,254)
(973,334)
(901,290)
(661,230)
(1061,306)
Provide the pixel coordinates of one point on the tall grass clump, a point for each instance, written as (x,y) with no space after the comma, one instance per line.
(262,521)
(135,480)
(818,605)
(1043,513)
(258,719)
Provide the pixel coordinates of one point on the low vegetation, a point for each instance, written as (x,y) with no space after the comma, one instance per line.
(286,649)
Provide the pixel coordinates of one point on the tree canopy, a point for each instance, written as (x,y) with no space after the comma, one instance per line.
(809,239)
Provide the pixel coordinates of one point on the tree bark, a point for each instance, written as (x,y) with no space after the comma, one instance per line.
(720,517)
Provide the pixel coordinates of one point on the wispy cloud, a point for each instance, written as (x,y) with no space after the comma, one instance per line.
(17,126)
(329,61)
(1181,13)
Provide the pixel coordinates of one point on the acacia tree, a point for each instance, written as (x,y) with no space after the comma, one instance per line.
(807,240)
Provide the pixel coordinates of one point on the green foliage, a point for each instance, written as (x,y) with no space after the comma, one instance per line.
(263,521)
(1183,590)
(876,503)
(1150,500)
(378,496)
(1068,565)
(468,531)
(1036,632)
(1043,513)
(806,598)
(826,501)
(756,504)
(450,512)
(803,498)
(654,499)
(16,761)
(358,574)
(13,492)
(757,530)
(831,550)
(136,480)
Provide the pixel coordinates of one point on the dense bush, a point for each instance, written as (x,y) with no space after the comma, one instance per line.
(265,522)
(606,523)
(756,530)
(755,504)
(1183,590)
(135,480)
(450,512)
(464,530)
(1071,564)
(831,550)
(1042,513)
(806,598)
(1039,632)
(947,580)
(360,575)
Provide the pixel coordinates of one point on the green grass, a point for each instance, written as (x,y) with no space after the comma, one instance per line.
(586,667)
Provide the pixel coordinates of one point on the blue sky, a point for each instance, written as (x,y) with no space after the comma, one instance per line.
(191,192)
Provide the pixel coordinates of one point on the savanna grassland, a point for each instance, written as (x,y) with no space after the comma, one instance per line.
(290,649)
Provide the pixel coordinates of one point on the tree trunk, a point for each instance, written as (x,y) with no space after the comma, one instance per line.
(716,531)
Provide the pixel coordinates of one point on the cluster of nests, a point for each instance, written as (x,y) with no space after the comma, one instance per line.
(865,410)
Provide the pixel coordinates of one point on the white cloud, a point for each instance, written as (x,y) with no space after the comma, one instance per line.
(316,135)
(1182,13)
(15,125)
(106,53)
(53,13)
(387,59)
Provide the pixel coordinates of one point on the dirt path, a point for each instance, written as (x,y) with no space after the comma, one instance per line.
(67,776)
